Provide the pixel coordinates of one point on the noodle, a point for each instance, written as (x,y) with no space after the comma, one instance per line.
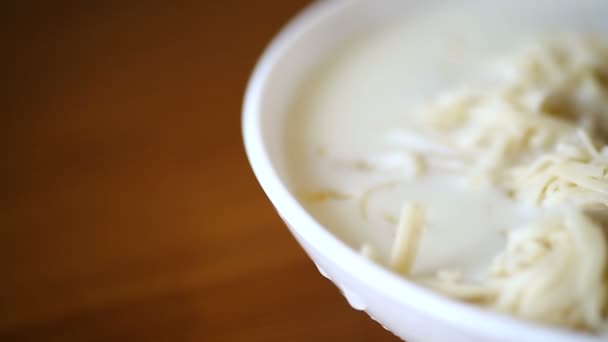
(532,135)
(405,246)
(576,172)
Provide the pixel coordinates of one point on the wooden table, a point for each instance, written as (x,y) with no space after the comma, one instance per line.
(128,209)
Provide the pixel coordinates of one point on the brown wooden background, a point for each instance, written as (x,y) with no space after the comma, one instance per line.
(128,210)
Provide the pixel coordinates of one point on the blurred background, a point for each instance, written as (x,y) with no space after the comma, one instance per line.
(129,211)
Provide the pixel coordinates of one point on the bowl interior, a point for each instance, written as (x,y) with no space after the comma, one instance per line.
(328,27)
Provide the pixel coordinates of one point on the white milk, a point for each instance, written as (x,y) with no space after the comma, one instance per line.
(351,102)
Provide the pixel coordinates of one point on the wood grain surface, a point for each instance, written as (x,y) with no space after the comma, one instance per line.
(128,209)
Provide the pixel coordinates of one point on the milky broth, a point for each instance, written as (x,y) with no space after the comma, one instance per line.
(352,101)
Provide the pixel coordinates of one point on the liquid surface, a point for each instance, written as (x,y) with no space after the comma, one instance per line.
(353,102)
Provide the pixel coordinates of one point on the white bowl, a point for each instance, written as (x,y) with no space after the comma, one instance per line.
(409,311)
